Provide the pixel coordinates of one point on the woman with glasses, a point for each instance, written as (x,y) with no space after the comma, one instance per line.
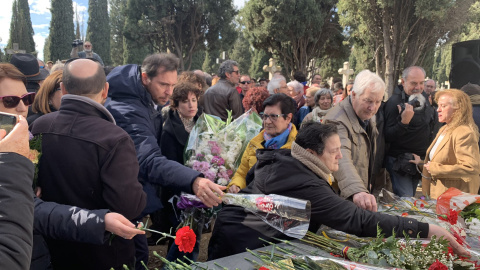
(323,103)
(48,97)
(13,93)
(278,133)
(309,105)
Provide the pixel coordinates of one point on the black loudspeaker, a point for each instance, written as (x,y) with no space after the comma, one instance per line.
(465,63)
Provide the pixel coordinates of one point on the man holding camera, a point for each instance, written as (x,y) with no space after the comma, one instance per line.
(410,124)
(86,53)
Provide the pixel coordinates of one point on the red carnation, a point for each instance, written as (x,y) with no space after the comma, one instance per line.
(437,265)
(263,268)
(452,216)
(185,239)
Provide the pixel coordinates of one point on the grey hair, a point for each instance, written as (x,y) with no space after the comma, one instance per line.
(323,92)
(226,67)
(298,87)
(409,69)
(275,83)
(367,79)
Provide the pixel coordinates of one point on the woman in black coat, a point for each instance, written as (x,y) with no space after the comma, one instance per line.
(182,115)
(305,173)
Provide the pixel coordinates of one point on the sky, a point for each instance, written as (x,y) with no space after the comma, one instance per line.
(40,16)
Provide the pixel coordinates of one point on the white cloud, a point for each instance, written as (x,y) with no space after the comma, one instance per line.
(40,26)
(5,18)
(39,39)
(40,6)
(239,3)
(79,7)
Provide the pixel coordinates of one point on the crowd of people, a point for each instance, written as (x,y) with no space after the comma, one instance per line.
(113,142)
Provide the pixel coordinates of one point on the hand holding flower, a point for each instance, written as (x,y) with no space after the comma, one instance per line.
(207,191)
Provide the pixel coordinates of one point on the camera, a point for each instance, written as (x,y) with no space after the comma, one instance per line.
(414,102)
(77,42)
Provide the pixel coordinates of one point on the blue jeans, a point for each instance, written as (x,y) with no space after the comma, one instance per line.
(402,185)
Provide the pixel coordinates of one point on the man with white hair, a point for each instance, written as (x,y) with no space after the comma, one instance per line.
(358,133)
(295,89)
(278,85)
(86,53)
(410,124)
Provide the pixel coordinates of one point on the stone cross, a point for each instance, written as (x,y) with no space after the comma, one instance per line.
(346,72)
(271,68)
(15,49)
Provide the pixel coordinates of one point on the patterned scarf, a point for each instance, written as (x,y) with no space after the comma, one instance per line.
(279,141)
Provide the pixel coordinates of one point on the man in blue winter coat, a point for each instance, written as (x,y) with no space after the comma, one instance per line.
(135,98)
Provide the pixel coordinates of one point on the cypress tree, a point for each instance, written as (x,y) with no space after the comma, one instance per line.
(21,30)
(117,21)
(134,46)
(98,28)
(61,30)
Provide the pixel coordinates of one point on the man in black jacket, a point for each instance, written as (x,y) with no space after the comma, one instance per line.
(16,204)
(408,130)
(89,162)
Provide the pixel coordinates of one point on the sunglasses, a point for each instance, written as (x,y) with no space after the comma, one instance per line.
(245,82)
(12,101)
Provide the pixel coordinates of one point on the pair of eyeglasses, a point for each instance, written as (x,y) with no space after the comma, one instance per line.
(13,101)
(236,71)
(273,117)
(245,82)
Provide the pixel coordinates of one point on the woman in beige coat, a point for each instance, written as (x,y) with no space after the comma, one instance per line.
(452,160)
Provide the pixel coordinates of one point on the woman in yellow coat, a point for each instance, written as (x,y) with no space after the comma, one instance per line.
(452,160)
(278,133)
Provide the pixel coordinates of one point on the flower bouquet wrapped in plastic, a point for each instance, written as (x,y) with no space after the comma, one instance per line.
(288,215)
(215,148)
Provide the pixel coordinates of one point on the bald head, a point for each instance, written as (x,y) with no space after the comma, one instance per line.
(83,77)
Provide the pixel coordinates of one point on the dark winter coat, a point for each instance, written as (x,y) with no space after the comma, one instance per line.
(16,211)
(277,172)
(89,162)
(416,136)
(174,136)
(64,222)
(134,111)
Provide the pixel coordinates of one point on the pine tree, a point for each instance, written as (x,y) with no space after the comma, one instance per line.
(21,30)
(98,29)
(61,30)
(117,22)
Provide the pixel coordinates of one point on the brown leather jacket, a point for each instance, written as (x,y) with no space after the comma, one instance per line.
(222,97)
